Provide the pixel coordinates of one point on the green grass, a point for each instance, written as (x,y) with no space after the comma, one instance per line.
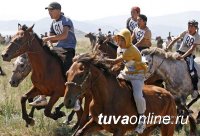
(11,122)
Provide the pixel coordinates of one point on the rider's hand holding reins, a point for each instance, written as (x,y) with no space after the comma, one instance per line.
(179,57)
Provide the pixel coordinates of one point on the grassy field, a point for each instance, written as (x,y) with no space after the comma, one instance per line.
(11,123)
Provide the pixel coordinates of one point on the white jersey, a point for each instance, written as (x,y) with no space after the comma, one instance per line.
(139,33)
(132,24)
(188,41)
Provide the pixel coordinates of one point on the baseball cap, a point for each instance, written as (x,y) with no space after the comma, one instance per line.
(54,5)
(193,23)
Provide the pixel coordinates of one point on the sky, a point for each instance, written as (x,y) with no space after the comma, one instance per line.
(80,10)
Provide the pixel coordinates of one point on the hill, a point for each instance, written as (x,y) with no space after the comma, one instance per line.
(159,25)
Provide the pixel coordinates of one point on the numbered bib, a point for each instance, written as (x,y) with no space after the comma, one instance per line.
(58,27)
(188,40)
(139,34)
(132,24)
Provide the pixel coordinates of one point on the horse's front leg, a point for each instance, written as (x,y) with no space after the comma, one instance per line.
(90,127)
(47,112)
(31,113)
(32,93)
(85,115)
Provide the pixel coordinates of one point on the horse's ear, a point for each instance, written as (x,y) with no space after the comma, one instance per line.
(30,29)
(19,26)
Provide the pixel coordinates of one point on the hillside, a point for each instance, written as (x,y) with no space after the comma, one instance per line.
(159,25)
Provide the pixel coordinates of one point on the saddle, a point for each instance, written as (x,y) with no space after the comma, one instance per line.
(60,52)
(124,83)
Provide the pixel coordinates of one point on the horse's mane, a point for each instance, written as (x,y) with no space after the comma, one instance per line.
(112,45)
(97,59)
(160,52)
(48,51)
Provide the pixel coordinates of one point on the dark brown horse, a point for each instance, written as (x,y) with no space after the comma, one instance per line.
(47,74)
(88,74)
(106,47)
(92,38)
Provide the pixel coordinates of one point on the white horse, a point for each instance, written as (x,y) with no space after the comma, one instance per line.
(173,72)
(163,65)
(21,69)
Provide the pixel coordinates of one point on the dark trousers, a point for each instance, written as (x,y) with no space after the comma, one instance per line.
(193,72)
(69,55)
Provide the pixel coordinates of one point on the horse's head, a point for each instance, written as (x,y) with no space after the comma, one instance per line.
(21,69)
(158,38)
(19,43)
(88,35)
(77,84)
(150,57)
(156,58)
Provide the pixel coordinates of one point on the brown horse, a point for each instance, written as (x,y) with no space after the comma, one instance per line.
(92,38)
(106,47)
(47,74)
(88,74)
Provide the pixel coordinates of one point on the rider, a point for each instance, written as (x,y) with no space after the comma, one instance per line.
(131,22)
(142,34)
(134,72)
(61,30)
(100,34)
(191,39)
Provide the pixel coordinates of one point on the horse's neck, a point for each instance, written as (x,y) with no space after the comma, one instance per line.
(38,57)
(100,88)
(174,73)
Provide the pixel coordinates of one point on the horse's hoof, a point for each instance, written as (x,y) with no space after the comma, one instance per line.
(59,114)
(32,123)
(26,124)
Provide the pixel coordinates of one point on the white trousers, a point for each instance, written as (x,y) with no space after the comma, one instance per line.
(137,81)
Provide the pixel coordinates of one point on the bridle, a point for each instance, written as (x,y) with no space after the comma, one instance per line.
(151,65)
(81,85)
(28,42)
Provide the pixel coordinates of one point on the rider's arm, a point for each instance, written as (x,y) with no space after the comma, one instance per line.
(172,43)
(52,41)
(114,61)
(58,37)
(192,48)
(175,40)
(146,40)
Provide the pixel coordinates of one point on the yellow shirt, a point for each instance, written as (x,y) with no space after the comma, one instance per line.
(133,61)
(131,55)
